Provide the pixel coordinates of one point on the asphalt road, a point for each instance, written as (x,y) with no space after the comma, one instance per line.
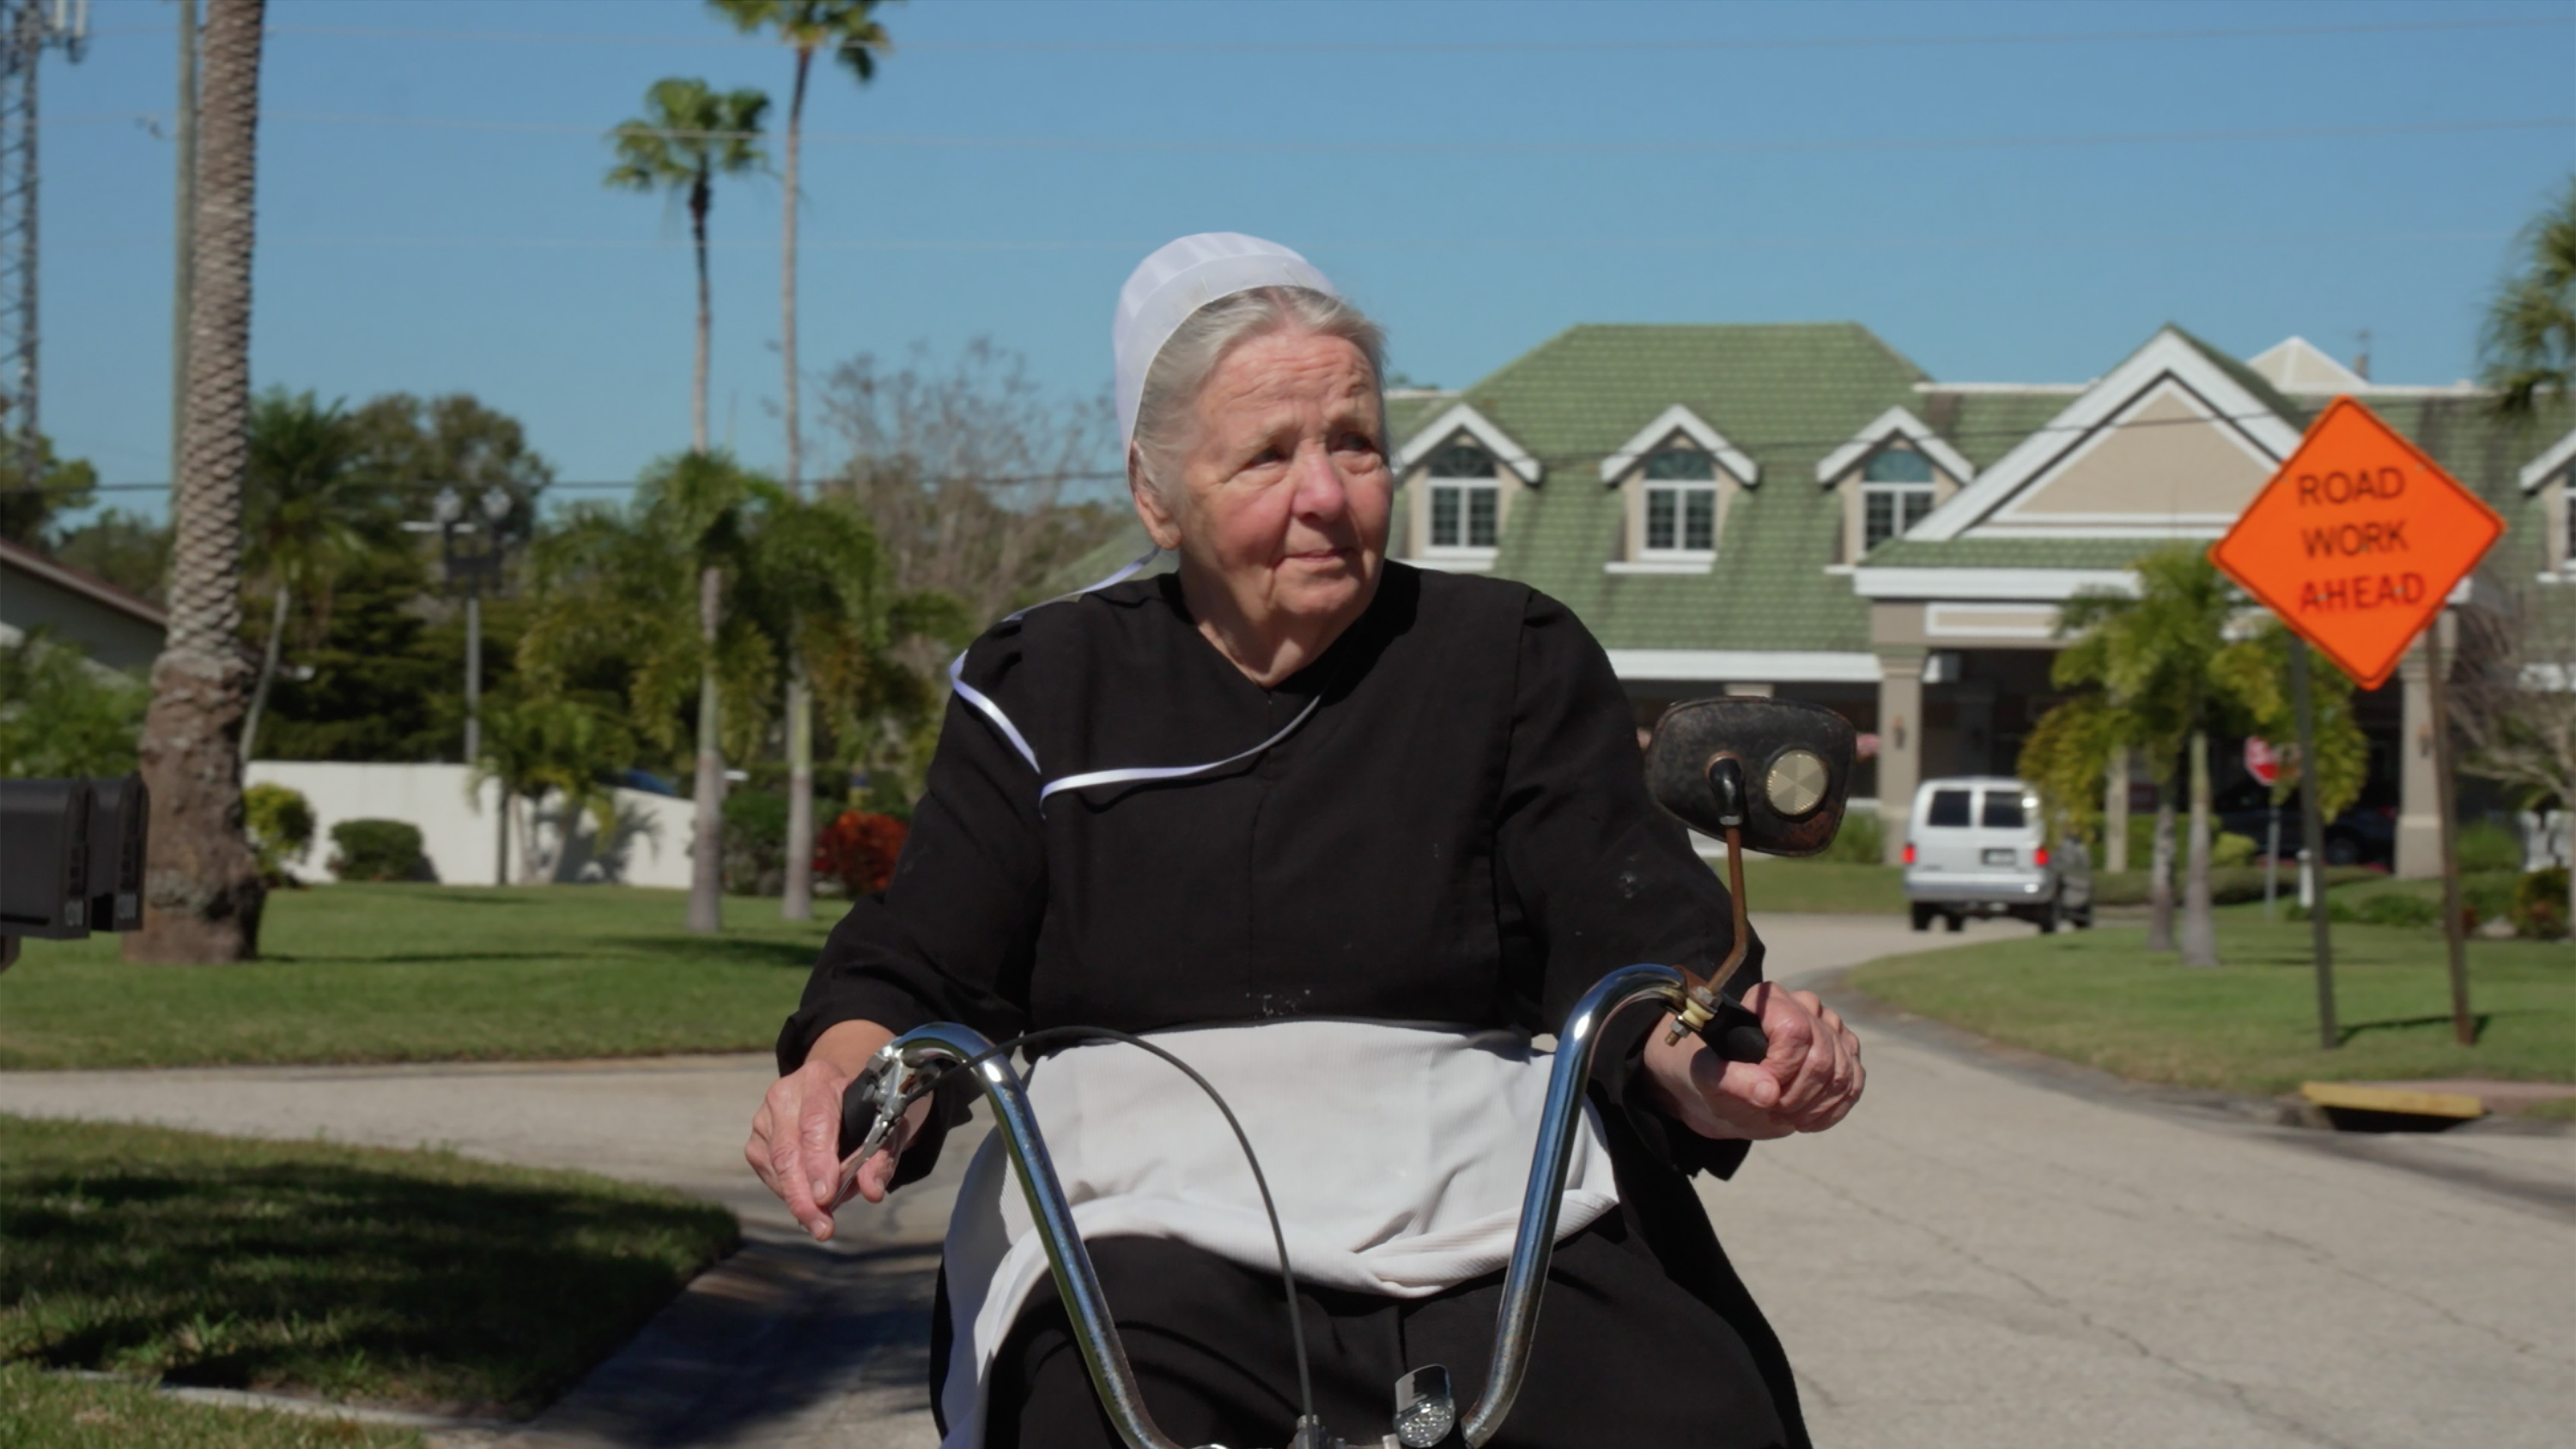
(1992,1251)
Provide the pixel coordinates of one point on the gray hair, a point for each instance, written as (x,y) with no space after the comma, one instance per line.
(1164,411)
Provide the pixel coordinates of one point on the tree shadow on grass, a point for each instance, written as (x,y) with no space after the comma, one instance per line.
(2478,1023)
(326,1274)
(421,958)
(729,950)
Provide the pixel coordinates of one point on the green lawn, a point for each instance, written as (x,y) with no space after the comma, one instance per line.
(421,972)
(1840,886)
(355,1274)
(39,1410)
(2100,998)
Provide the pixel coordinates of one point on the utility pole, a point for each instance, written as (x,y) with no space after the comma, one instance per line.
(28,28)
(184,133)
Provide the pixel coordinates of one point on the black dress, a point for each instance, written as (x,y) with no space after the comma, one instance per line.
(1461,833)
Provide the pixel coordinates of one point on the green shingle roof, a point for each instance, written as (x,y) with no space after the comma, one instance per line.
(1786,395)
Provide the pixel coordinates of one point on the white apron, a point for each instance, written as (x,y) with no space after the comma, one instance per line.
(1397,1155)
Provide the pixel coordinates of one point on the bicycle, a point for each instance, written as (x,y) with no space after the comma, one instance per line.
(1704,756)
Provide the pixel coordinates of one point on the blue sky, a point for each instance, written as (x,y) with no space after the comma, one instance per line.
(2005,192)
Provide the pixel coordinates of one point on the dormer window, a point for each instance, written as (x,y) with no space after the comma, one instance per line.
(1466,498)
(1681,503)
(1896,492)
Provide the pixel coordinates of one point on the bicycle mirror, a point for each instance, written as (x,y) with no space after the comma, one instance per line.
(1782,766)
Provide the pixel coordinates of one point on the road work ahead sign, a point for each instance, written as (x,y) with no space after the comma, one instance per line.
(2357,540)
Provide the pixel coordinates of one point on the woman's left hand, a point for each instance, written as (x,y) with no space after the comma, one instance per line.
(1806,1082)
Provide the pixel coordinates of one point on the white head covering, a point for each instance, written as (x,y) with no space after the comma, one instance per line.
(1179,279)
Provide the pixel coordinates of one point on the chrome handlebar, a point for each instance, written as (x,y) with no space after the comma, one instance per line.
(906,1067)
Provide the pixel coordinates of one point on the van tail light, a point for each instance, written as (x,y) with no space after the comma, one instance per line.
(2039,855)
(1909,852)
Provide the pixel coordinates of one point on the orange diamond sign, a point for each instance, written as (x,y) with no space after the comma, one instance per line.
(2357,540)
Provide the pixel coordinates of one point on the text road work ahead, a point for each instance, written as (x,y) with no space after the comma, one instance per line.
(2381,540)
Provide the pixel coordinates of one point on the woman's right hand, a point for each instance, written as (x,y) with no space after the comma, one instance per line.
(796,1134)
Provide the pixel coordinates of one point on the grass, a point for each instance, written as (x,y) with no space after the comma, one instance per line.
(1840,886)
(377,973)
(2102,999)
(47,1411)
(355,1274)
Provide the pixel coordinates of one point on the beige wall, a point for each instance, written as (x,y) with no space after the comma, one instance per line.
(2178,462)
(1963,625)
(2554,503)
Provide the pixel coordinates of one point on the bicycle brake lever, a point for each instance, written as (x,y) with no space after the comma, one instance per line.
(872,1105)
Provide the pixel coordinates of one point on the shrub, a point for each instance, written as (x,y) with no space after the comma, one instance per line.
(377,850)
(2540,904)
(2231,849)
(755,843)
(2393,908)
(1859,840)
(280,822)
(2485,845)
(859,850)
(61,715)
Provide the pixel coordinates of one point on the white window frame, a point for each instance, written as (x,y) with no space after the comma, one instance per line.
(1468,490)
(1681,492)
(1461,552)
(1897,494)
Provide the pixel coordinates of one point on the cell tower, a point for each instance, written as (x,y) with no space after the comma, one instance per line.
(28,28)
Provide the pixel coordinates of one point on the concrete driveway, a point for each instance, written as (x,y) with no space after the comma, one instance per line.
(1994,1251)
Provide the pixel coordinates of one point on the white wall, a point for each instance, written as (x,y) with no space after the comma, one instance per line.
(460,835)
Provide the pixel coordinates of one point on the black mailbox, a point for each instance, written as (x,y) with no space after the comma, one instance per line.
(44,858)
(118,810)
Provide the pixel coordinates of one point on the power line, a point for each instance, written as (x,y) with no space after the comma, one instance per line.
(1551,461)
(1476,148)
(1457,47)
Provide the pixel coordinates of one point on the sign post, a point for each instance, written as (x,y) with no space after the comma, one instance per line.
(2355,545)
(2264,764)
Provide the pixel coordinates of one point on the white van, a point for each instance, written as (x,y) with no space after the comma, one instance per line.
(1975,847)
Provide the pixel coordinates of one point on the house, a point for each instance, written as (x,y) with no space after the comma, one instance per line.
(1800,510)
(114,628)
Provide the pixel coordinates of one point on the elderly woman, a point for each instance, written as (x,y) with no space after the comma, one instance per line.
(1343,835)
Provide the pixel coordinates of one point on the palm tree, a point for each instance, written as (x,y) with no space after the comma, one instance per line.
(558,742)
(307,515)
(203,894)
(2530,341)
(2161,675)
(688,136)
(2151,656)
(603,593)
(848,29)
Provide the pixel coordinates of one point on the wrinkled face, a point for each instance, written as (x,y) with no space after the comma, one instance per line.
(1284,492)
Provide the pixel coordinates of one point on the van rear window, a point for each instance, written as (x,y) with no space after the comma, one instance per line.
(2003,810)
(1949,807)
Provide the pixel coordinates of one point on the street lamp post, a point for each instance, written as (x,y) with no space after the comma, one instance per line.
(469,553)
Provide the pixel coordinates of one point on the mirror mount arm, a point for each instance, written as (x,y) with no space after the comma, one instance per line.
(1703,1000)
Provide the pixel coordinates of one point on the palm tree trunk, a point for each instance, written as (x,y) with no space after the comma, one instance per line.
(787,272)
(2115,811)
(700,196)
(501,862)
(706,852)
(796,897)
(2199,928)
(2160,873)
(202,894)
(267,674)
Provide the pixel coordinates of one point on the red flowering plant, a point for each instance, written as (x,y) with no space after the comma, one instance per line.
(859,850)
